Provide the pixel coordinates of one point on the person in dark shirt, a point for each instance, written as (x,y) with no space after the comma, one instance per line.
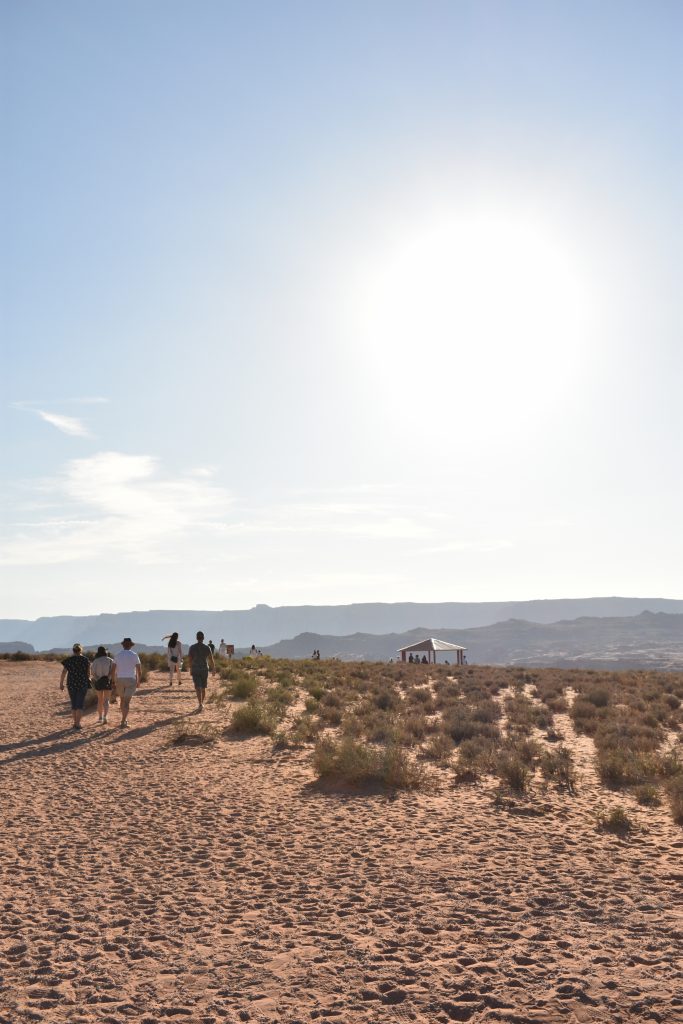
(200,657)
(76,671)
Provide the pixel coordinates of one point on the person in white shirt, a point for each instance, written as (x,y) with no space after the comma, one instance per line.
(223,649)
(174,656)
(128,676)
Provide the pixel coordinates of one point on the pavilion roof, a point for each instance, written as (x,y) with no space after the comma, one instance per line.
(432,644)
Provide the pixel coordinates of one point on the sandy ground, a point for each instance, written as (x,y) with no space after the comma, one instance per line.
(145,882)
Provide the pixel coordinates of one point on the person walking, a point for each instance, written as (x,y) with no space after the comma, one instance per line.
(128,676)
(76,672)
(101,672)
(200,658)
(174,656)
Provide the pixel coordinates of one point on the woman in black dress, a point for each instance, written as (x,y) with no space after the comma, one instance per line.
(76,671)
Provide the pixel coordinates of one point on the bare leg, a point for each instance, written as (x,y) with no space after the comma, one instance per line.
(125,705)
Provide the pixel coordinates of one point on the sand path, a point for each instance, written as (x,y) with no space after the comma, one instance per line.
(145,882)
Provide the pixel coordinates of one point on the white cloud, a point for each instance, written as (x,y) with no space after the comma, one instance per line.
(67,424)
(117,506)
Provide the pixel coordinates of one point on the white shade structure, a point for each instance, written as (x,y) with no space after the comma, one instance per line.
(430,646)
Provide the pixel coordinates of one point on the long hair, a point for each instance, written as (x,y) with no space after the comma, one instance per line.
(173,640)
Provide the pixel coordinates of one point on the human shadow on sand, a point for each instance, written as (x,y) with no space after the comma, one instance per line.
(76,739)
(137,732)
(34,740)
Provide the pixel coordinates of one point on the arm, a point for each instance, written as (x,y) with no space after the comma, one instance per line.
(61,681)
(213,663)
(138,674)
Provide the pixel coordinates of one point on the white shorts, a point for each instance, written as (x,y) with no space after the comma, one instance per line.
(126,687)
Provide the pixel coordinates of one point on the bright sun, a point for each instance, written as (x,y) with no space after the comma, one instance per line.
(491,303)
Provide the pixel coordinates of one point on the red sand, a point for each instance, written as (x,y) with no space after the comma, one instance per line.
(144,882)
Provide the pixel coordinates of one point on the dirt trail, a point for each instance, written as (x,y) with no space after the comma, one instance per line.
(143,882)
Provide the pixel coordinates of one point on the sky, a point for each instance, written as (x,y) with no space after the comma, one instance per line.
(313,303)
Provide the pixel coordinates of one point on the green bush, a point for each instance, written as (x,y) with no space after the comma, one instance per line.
(254,718)
(512,769)
(617,821)
(243,687)
(558,765)
(351,761)
(647,796)
(675,796)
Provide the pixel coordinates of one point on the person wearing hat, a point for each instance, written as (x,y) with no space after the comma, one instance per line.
(127,675)
(101,672)
(76,671)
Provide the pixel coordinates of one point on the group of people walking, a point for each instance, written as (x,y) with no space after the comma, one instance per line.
(119,677)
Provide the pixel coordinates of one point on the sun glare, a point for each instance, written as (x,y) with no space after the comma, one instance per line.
(492,304)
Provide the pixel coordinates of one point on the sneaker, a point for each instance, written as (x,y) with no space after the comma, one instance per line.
(77,727)
(124,725)
(104,720)
(99,719)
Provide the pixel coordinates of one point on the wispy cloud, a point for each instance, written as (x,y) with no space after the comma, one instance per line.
(71,425)
(116,505)
(67,424)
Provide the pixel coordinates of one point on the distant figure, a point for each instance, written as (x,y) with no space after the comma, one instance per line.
(464,659)
(200,657)
(128,676)
(253,652)
(174,657)
(316,656)
(101,672)
(76,671)
(223,649)
(212,647)
(410,659)
(424,659)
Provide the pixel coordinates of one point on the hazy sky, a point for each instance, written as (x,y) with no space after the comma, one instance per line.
(327,302)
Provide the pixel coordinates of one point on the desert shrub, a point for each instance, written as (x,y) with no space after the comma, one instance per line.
(193,735)
(617,822)
(316,691)
(255,718)
(463,723)
(478,753)
(598,696)
(558,766)
(674,792)
(585,716)
(304,729)
(647,796)
(351,761)
(439,748)
(280,697)
(243,686)
(622,767)
(413,727)
(668,765)
(385,700)
(524,716)
(513,770)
